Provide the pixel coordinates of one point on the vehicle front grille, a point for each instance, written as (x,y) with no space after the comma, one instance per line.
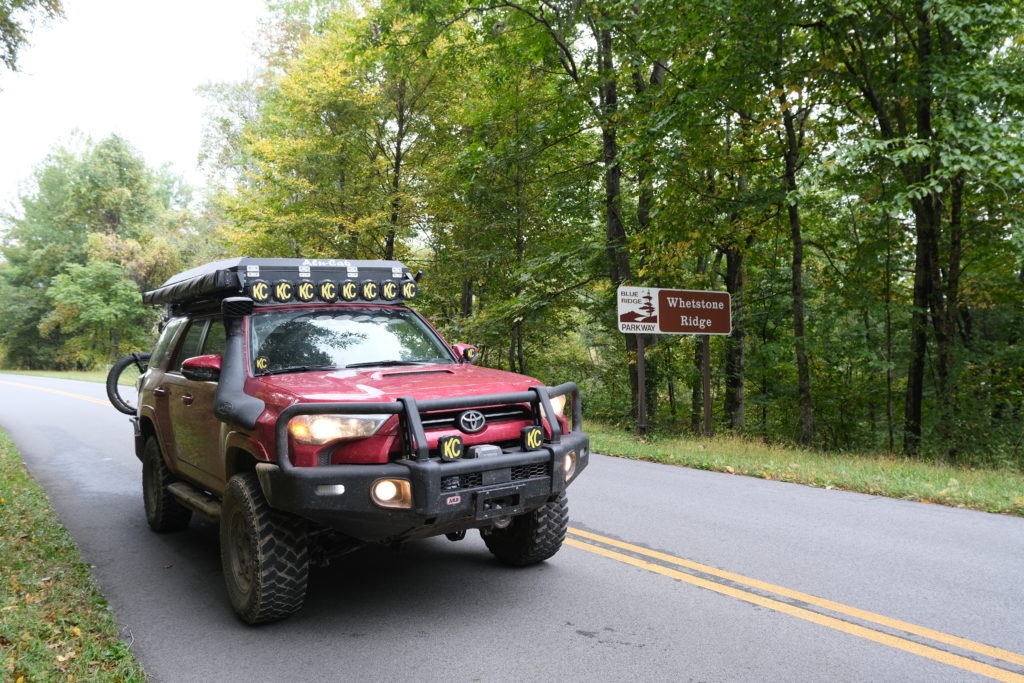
(449,419)
(533,471)
(475,479)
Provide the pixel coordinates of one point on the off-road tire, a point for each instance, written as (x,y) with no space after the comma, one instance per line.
(163,511)
(122,376)
(264,554)
(531,538)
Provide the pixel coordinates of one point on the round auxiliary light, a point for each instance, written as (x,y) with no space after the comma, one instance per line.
(284,290)
(259,291)
(348,290)
(569,465)
(369,290)
(392,493)
(389,290)
(305,291)
(386,490)
(327,291)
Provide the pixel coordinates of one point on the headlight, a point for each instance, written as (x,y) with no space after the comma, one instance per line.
(316,430)
(557,404)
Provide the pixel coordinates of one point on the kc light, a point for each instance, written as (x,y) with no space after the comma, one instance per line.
(392,493)
(316,430)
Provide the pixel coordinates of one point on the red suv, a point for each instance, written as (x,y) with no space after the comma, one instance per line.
(305,407)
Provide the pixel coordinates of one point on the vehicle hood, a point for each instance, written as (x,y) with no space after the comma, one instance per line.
(387,384)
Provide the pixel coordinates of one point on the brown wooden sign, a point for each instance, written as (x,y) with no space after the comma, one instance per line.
(651,310)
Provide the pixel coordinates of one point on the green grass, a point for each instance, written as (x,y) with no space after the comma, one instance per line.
(1000,491)
(54,624)
(86,376)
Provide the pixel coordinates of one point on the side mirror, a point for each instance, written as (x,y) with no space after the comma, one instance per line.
(467,353)
(202,368)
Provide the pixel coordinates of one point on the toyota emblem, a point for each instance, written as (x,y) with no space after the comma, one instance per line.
(472,421)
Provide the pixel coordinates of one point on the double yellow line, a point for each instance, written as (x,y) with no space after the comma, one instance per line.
(726,583)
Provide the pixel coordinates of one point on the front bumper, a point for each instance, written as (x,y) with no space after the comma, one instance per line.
(446,496)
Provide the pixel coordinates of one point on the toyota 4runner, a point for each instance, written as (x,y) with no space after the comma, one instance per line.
(303,406)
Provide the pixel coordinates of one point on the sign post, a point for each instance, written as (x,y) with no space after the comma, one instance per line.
(652,310)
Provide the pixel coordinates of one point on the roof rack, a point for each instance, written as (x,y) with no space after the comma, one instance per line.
(269,281)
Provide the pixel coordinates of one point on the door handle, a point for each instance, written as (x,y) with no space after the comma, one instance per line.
(161,391)
(187,399)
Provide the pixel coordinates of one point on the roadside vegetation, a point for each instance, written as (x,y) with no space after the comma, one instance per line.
(54,624)
(999,490)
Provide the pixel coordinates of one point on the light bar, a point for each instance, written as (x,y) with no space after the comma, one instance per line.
(303,290)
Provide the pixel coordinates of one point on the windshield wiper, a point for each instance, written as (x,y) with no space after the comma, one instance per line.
(295,368)
(388,363)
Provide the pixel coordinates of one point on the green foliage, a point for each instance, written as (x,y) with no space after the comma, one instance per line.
(16,16)
(98,227)
(482,142)
(96,307)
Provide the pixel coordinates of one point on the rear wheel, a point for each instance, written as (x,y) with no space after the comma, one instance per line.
(163,511)
(533,537)
(121,381)
(264,553)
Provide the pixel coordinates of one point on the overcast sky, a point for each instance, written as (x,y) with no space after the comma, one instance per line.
(122,66)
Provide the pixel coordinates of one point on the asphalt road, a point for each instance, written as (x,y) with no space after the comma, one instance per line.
(668,574)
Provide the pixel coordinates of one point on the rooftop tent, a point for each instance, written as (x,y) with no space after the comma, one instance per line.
(282,280)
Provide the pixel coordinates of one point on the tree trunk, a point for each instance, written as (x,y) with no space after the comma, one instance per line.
(396,173)
(735,352)
(805,421)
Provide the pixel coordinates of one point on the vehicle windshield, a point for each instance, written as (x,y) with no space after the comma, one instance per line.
(300,340)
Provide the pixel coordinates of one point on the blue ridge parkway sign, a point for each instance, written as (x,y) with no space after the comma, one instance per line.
(652,310)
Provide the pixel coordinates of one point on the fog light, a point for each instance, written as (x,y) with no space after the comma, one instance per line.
(450,448)
(392,493)
(530,438)
(569,465)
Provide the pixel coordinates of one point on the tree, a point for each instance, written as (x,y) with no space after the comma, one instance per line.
(99,205)
(16,16)
(933,80)
(333,149)
(97,309)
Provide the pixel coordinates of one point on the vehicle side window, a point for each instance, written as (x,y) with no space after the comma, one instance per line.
(192,343)
(215,338)
(163,344)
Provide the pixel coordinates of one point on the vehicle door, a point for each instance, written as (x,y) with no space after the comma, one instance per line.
(195,432)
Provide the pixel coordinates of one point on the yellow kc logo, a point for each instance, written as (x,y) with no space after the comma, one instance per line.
(348,291)
(532,438)
(409,290)
(369,290)
(262,363)
(328,291)
(451,448)
(306,291)
(283,291)
(260,291)
(390,290)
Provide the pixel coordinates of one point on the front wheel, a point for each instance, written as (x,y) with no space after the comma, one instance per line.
(264,553)
(533,537)
(121,381)
(163,511)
